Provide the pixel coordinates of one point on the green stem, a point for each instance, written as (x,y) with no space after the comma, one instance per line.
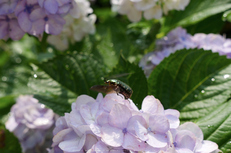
(44,43)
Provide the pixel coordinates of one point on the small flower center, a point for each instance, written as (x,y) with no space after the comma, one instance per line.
(149,129)
(175,144)
(125,130)
(46,18)
(28,8)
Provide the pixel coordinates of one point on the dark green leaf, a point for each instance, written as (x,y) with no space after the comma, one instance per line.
(134,76)
(195,12)
(198,84)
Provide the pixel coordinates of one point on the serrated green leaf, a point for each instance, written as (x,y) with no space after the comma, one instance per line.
(76,72)
(195,12)
(198,84)
(134,76)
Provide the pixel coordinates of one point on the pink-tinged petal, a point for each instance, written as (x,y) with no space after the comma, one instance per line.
(194,129)
(73,145)
(81,100)
(88,112)
(60,135)
(119,116)
(138,126)
(172,112)
(173,121)
(41,2)
(60,124)
(150,149)
(103,118)
(132,143)
(99,97)
(185,139)
(91,140)
(37,14)
(51,6)
(158,123)
(112,136)
(157,140)
(109,101)
(95,129)
(24,22)
(207,146)
(38,27)
(152,105)
(74,119)
(3,29)
(99,147)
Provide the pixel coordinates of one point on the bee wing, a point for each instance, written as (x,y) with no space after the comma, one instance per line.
(103,88)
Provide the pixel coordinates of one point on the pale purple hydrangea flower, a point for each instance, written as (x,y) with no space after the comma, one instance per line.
(31,122)
(9,28)
(179,39)
(33,17)
(114,124)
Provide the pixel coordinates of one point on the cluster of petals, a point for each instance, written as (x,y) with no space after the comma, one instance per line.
(114,124)
(31,122)
(78,24)
(149,8)
(32,16)
(178,39)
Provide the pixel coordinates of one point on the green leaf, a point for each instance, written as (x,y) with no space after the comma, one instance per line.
(75,72)
(198,84)
(50,93)
(227,16)
(8,142)
(195,12)
(215,25)
(134,76)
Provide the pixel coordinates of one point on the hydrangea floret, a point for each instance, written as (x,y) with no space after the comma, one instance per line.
(149,8)
(178,39)
(114,124)
(32,123)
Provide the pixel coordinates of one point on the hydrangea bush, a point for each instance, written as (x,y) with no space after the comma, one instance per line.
(168,76)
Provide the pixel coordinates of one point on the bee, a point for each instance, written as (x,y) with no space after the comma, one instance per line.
(116,86)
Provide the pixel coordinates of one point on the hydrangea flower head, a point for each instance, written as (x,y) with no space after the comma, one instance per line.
(30,122)
(149,8)
(78,24)
(114,124)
